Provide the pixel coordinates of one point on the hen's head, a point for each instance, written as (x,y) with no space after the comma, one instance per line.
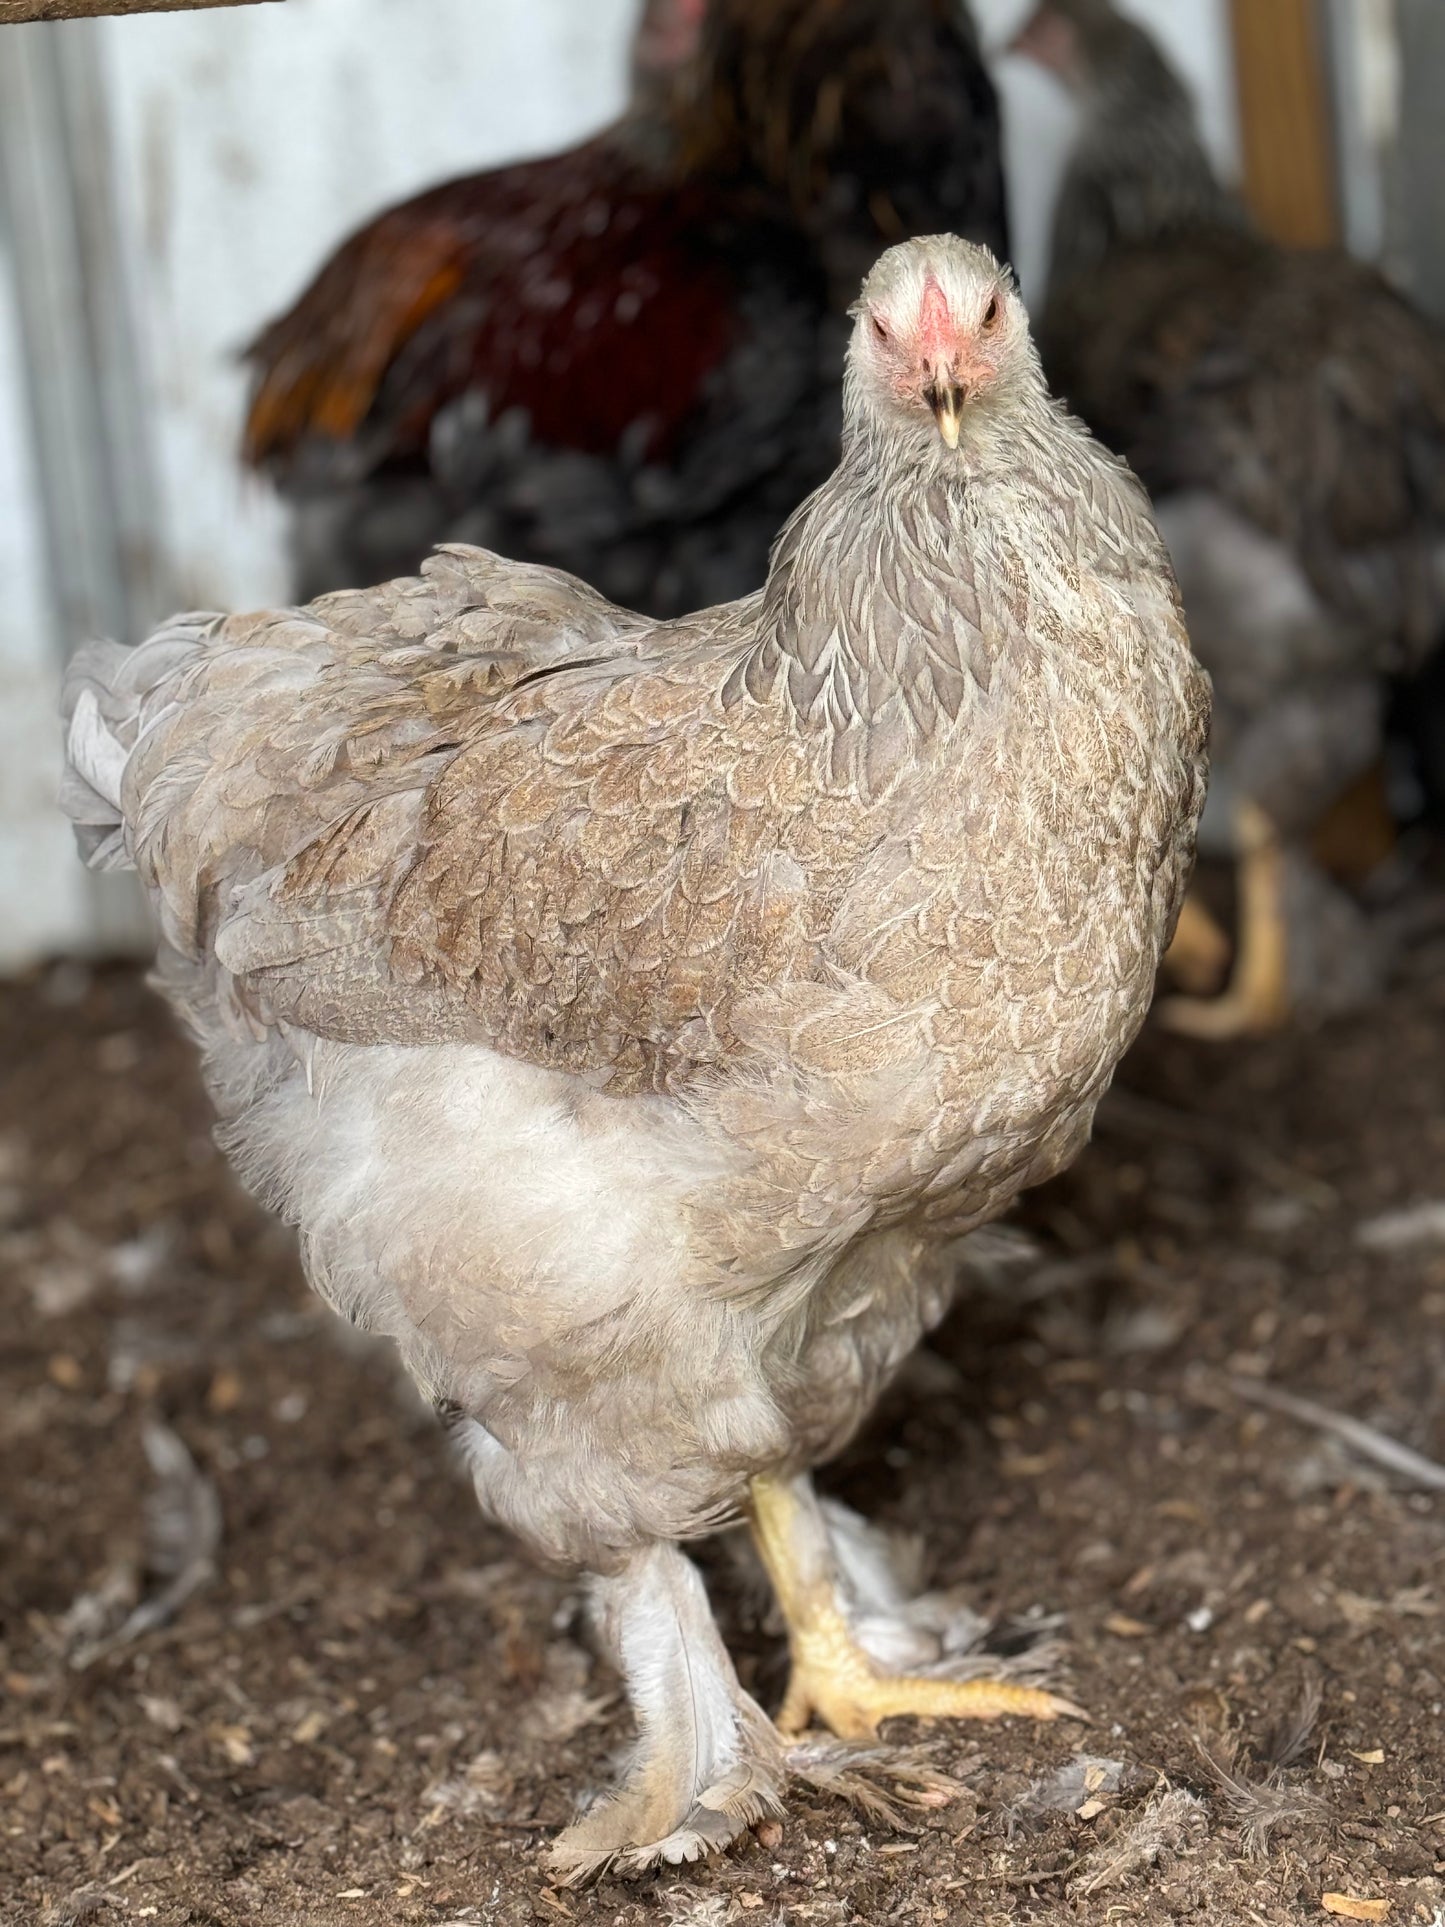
(940,338)
(1082,42)
(667,35)
(664,83)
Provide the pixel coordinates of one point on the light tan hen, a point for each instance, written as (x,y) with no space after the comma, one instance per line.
(631,1016)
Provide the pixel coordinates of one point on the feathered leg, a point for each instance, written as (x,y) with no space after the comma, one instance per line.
(849,1639)
(706,1762)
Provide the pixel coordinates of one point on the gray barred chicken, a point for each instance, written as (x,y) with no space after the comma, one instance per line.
(632,1016)
(1286,410)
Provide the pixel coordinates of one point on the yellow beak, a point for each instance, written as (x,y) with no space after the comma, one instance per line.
(946,400)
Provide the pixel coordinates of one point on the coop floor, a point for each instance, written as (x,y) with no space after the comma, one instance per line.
(376,1712)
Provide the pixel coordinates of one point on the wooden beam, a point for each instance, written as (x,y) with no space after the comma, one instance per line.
(1284,121)
(15,13)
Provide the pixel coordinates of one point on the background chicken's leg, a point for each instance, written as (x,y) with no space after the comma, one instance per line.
(834,1673)
(1257,998)
(1199,956)
(706,1762)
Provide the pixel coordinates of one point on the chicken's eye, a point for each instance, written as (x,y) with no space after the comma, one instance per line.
(991,313)
(879,329)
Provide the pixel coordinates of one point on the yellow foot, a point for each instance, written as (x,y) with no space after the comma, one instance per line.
(1217,1019)
(833,1676)
(1198,958)
(836,1681)
(1257,1000)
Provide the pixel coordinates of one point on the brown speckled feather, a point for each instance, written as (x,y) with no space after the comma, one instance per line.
(443,826)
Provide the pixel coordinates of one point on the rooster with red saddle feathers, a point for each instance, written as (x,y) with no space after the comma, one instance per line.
(624,359)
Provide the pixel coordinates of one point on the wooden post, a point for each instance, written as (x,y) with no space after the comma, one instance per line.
(15,13)
(1422,147)
(1284,121)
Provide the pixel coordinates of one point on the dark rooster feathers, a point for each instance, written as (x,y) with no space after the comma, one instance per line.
(623,359)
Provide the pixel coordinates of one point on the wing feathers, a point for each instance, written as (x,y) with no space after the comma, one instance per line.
(479,803)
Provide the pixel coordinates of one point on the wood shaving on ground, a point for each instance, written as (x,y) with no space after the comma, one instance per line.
(1347,1907)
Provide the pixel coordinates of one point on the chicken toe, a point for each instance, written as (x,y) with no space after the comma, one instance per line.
(851,1631)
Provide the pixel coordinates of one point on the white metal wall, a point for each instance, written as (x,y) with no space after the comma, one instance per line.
(42,888)
(241,146)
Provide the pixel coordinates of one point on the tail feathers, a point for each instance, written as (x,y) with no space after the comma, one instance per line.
(90,788)
(95,754)
(106,686)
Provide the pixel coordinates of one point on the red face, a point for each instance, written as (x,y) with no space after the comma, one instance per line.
(937,358)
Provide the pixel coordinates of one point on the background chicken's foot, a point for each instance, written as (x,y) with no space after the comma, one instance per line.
(1199,956)
(1257,999)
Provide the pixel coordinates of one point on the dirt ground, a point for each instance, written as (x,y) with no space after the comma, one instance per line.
(365,1707)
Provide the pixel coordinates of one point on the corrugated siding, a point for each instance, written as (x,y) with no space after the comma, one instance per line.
(42,888)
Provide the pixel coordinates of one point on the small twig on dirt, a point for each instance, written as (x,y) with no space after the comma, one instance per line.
(1041,1874)
(246,1618)
(189,1789)
(42,1730)
(1365,1439)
